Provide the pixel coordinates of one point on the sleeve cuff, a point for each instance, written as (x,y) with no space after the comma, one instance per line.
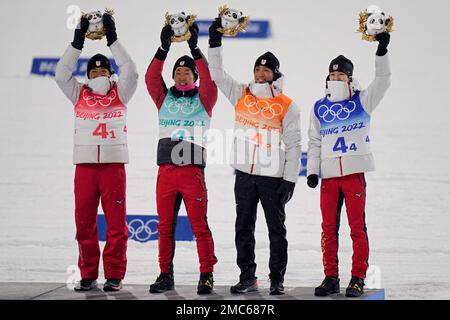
(161,54)
(196,53)
(292,179)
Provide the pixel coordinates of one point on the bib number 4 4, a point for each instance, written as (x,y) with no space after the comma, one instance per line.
(341,146)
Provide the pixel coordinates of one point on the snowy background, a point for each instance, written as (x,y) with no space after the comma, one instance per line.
(408,207)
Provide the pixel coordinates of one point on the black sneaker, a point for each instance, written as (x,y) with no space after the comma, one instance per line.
(206,283)
(276,287)
(112,285)
(328,286)
(164,282)
(244,286)
(355,288)
(86,285)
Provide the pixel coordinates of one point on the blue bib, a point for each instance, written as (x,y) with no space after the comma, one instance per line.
(344,127)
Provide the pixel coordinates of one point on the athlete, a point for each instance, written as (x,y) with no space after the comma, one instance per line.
(184,113)
(266,152)
(339,151)
(100,153)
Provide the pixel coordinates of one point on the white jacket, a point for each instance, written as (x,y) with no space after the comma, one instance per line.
(254,158)
(329,167)
(70,86)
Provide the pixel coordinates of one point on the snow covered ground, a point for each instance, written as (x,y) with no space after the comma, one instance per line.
(408,209)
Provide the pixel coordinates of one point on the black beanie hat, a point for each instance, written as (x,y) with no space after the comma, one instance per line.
(269,60)
(341,64)
(99,61)
(188,62)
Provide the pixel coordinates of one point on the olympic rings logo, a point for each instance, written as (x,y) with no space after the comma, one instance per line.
(186,106)
(336,111)
(92,100)
(268,111)
(140,231)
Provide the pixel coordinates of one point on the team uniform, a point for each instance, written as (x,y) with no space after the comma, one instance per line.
(100,154)
(339,151)
(184,118)
(265,152)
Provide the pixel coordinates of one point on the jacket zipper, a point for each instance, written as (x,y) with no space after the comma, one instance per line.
(340,165)
(98,153)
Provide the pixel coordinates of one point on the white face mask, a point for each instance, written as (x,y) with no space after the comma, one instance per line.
(100,85)
(338,91)
(261,90)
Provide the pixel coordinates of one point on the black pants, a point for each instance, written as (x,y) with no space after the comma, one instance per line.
(248,190)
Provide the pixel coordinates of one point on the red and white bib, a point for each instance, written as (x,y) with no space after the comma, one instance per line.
(100,119)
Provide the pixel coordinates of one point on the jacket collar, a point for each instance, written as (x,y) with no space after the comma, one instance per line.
(354,87)
(266,90)
(177,93)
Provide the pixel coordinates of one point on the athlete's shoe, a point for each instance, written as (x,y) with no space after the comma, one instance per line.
(112,285)
(276,287)
(328,286)
(244,286)
(85,285)
(163,283)
(355,288)
(206,283)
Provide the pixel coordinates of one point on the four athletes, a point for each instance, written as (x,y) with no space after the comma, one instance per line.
(266,152)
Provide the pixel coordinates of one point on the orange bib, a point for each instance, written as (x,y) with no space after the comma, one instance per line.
(261,113)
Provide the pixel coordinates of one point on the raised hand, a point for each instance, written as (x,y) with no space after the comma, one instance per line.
(80,33)
(166,34)
(110,28)
(215,37)
(383,42)
(193,40)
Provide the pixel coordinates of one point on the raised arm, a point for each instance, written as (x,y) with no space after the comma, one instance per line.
(68,84)
(127,83)
(153,77)
(207,87)
(230,88)
(371,97)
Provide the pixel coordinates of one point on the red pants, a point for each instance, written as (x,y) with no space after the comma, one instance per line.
(108,183)
(333,192)
(186,182)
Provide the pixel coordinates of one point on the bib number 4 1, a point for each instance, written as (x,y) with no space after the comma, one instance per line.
(102,131)
(341,146)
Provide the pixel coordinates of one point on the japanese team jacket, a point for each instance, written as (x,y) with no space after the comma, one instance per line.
(267,138)
(100,134)
(339,131)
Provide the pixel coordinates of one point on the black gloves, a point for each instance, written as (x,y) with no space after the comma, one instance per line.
(215,37)
(193,40)
(383,41)
(110,29)
(286,190)
(166,33)
(80,33)
(312,180)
